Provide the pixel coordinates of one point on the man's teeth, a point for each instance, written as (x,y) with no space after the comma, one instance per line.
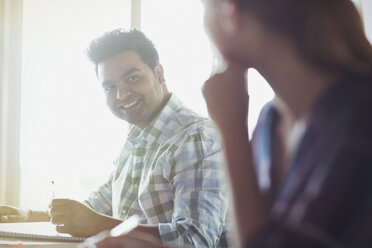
(130,104)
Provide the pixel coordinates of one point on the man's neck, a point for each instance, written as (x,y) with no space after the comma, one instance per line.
(141,126)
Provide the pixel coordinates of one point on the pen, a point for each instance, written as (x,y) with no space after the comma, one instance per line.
(52,188)
(123,228)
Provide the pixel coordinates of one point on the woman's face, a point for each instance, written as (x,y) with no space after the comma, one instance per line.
(213,26)
(237,35)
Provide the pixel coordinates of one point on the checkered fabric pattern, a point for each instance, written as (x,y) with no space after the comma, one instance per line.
(170,174)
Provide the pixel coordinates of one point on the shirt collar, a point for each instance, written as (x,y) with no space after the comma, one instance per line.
(156,127)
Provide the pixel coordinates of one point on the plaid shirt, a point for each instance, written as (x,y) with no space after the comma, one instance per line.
(170,174)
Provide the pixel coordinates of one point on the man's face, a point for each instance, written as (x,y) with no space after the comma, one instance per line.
(134,92)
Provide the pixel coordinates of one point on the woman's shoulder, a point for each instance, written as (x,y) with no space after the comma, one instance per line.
(349,97)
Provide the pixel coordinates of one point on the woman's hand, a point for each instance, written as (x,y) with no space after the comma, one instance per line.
(226,96)
(133,239)
(227,101)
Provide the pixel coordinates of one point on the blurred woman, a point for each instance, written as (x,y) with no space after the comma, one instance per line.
(305,178)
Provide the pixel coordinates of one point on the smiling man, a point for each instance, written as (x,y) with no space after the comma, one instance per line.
(135,92)
(170,170)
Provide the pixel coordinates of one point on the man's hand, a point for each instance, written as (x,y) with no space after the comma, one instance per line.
(13,214)
(77,219)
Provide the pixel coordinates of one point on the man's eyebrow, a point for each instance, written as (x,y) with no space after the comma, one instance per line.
(129,71)
(106,82)
(126,73)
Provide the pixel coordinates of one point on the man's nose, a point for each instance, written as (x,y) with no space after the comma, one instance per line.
(123,90)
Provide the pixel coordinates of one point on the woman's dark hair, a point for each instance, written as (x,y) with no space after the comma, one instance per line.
(119,40)
(328,33)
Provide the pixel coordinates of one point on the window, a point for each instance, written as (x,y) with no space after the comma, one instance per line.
(176,28)
(10,84)
(67,133)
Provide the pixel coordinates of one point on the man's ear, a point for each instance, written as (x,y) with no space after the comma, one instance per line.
(159,73)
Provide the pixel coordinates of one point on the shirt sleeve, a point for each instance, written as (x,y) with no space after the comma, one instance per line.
(200,201)
(101,199)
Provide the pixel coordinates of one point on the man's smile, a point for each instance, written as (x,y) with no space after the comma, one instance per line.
(128,105)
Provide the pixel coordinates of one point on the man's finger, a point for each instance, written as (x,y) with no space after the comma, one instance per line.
(58,220)
(12,218)
(57,211)
(4,219)
(59,202)
(63,229)
(5,210)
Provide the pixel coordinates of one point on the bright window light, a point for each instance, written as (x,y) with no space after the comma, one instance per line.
(67,133)
(176,28)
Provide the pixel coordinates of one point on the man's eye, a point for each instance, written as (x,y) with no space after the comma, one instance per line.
(132,78)
(109,88)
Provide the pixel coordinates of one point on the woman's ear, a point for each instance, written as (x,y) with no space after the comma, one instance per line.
(159,73)
(229,16)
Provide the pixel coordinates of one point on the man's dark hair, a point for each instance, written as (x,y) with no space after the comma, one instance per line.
(119,40)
